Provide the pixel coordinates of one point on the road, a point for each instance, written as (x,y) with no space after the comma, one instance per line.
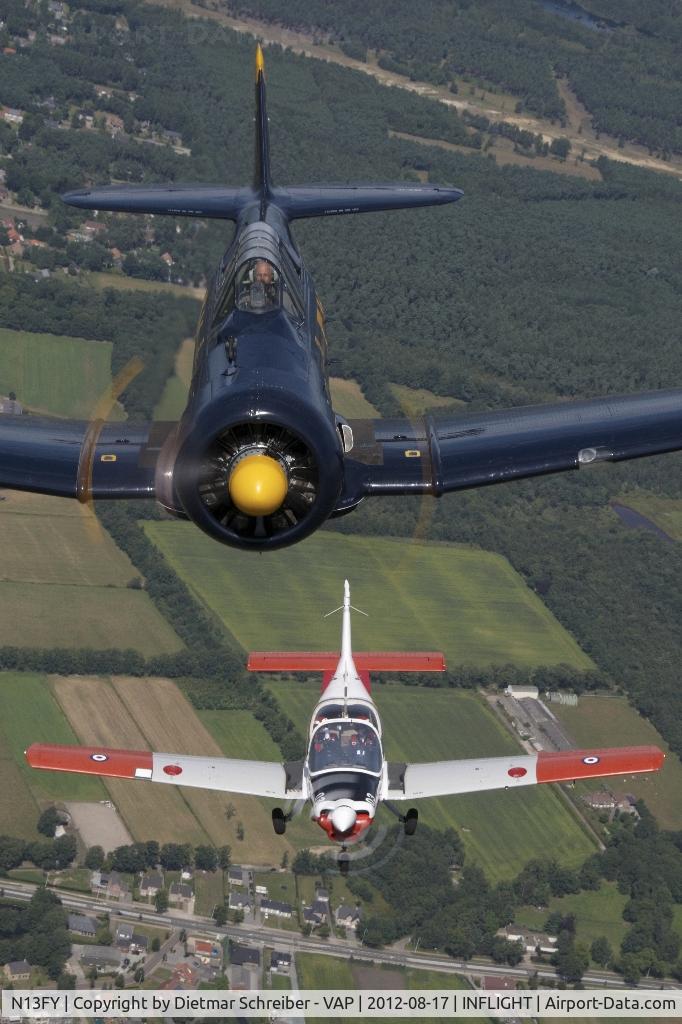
(290,942)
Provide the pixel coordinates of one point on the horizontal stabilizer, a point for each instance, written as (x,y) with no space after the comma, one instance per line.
(326,661)
(175,200)
(332,200)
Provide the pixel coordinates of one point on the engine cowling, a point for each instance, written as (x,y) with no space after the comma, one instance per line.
(262,479)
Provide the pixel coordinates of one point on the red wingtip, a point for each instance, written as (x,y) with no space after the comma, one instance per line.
(568,765)
(122,764)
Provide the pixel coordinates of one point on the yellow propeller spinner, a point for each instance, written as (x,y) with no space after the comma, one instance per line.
(258,485)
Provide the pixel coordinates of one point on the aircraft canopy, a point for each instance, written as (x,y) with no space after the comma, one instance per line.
(345,744)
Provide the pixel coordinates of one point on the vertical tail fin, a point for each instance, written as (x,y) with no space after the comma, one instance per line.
(261,180)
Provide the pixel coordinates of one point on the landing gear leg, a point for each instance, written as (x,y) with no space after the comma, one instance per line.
(344,861)
(279,821)
(410,821)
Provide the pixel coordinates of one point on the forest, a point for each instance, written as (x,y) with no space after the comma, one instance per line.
(620,61)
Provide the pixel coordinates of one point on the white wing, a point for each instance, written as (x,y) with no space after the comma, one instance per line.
(443,778)
(255,778)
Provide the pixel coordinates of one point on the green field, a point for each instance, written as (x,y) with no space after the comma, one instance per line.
(30,714)
(55,374)
(174,397)
(124,283)
(53,615)
(469,603)
(64,583)
(209,891)
(349,400)
(417,401)
(317,971)
(239,734)
(501,831)
(666,513)
(609,722)
(597,913)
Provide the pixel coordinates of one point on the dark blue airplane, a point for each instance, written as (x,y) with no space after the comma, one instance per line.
(259,458)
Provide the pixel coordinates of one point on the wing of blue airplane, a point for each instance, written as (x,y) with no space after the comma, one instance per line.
(435,454)
(80,459)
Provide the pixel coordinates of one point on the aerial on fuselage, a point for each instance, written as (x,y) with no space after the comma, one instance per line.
(259,458)
(344,775)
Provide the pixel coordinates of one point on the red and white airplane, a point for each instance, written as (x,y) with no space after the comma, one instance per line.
(345,775)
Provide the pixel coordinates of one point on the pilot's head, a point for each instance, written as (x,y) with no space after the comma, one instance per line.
(262,272)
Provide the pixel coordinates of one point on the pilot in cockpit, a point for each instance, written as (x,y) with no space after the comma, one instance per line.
(258,292)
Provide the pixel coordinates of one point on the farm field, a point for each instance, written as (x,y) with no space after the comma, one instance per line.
(469,603)
(55,374)
(317,971)
(611,721)
(30,714)
(174,397)
(63,582)
(239,734)
(501,831)
(168,722)
(666,513)
(101,279)
(152,714)
(349,399)
(417,401)
(597,913)
(97,715)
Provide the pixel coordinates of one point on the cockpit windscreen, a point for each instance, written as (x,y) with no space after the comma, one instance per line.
(344,745)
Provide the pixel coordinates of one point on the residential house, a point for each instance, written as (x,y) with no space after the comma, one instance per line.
(280,961)
(10,407)
(180,895)
(150,884)
(260,889)
(82,925)
(240,901)
(184,976)
(18,970)
(347,917)
(139,944)
(206,951)
(276,908)
(12,115)
(498,982)
(114,123)
(123,936)
(243,956)
(239,876)
(312,917)
(321,894)
(529,939)
(105,959)
(109,884)
(601,800)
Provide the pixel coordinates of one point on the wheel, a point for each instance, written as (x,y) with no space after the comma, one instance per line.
(344,863)
(279,822)
(411,819)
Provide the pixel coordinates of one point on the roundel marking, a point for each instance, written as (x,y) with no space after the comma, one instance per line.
(592,759)
(518,772)
(172,769)
(99,757)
